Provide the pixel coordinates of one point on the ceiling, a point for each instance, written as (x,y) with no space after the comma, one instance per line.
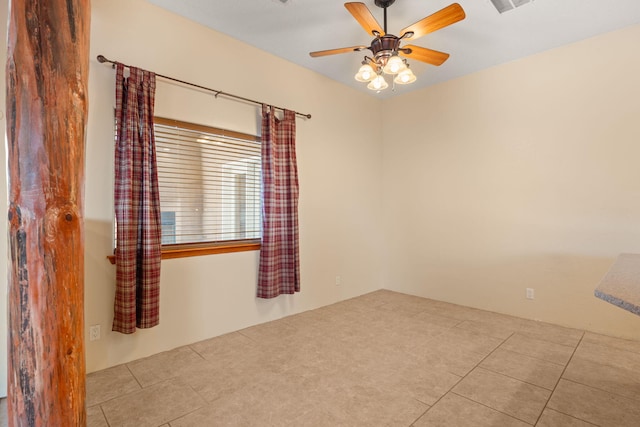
(290,29)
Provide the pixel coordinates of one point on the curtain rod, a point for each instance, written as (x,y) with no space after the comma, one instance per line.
(102,59)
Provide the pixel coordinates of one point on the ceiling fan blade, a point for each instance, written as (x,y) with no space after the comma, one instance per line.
(442,18)
(364,17)
(423,54)
(336,51)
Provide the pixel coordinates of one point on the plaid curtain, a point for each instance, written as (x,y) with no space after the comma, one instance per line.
(137,204)
(279,270)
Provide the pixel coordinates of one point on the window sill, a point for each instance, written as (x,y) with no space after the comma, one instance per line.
(179,251)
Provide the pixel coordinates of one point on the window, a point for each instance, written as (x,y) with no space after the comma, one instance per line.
(168,220)
(209,188)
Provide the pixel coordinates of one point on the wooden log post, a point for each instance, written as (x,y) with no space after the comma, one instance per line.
(47,73)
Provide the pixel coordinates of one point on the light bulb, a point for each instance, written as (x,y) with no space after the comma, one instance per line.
(379,83)
(365,73)
(405,77)
(394,65)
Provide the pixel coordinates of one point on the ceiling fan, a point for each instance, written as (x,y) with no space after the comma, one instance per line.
(386,48)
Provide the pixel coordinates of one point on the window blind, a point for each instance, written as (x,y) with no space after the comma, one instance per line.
(209,183)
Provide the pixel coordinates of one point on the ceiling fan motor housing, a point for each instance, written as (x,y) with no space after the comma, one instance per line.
(385,46)
(384,3)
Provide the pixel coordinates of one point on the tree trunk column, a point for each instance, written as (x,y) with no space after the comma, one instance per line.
(47,72)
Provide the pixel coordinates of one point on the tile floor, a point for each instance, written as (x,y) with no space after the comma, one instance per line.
(382,359)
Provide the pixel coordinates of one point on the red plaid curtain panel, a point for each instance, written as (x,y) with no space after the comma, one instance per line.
(137,204)
(279,270)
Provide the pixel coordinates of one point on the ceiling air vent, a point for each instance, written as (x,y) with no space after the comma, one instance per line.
(506,5)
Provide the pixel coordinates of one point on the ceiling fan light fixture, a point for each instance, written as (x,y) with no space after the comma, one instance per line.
(378,83)
(386,48)
(405,77)
(394,65)
(366,73)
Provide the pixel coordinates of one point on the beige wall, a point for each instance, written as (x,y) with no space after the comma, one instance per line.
(522,175)
(339,156)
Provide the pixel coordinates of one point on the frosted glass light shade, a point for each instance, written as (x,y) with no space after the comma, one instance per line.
(379,83)
(394,65)
(365,73)
(405,77)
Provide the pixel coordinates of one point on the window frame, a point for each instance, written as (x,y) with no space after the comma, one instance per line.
(183,250)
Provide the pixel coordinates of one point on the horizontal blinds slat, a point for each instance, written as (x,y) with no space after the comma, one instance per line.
(221,156)
(208,175)
(198,232)
(209,185)
(166,149)
(173,181)
(205,146)
(208,142)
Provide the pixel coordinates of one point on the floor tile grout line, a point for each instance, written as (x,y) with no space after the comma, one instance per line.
(518,379)
(533,357)
(539,358)
(426,311)
(196,351)
(421,415)
(206,402)
(570,416)
(514,378)
(458,321)
(479,332)
(595,342)
(116,397)
(478,366)
(493,409)
(613,348)
(600,389)
(133,392)
(460,380)
(188,413)
(106,420)
(134,375)
(560,378)
(250,338)
(537,338)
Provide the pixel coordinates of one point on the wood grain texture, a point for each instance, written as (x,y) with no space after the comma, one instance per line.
(423,54)
(363,15)
(47,73)
(442,18)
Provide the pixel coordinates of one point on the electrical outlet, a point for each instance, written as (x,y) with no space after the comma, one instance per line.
(94,332)
(530,293)
(338,280)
